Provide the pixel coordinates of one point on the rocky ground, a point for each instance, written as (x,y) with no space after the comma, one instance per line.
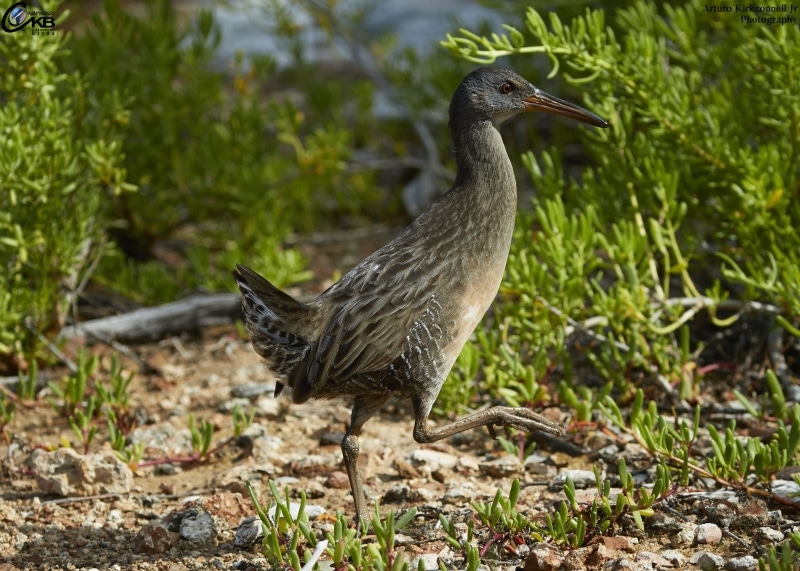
(65,510)
(185,515)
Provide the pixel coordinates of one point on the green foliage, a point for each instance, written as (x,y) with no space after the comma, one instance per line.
(739,463)
(241,421)
(289,539)
(219,167)
(27,382)
(54,183)
(114,397)
(126,152)
(7,408)
(573,524)
(201,437)
(502,513)
(783,560)
(688,207)
(73,393)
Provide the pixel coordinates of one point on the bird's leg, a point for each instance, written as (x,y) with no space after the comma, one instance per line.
(521,418)
(363,409)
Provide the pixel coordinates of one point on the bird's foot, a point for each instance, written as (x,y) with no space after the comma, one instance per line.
(524,419)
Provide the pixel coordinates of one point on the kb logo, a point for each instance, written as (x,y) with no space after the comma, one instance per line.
(17,17)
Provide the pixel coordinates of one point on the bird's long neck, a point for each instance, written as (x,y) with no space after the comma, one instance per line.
(485,187)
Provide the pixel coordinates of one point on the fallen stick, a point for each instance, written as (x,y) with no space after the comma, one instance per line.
(153,323)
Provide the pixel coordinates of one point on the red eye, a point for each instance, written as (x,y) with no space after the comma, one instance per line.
(507,87)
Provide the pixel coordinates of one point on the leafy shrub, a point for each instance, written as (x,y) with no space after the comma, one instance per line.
(224,172)
(54,185)
(690,207)
(126,152)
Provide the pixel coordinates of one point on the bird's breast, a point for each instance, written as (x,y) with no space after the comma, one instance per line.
(477,293)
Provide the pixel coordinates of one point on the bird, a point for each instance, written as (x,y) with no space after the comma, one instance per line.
(394,325)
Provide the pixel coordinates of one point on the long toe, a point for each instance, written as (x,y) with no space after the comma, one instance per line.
(526,419)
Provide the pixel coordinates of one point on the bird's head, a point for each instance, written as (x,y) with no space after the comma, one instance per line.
(496,94)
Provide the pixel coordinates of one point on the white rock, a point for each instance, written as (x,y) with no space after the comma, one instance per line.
(198,526)
(432,460)
(746,563)
(502,467)
(685,536)
(708,534)
(581,478)
(768,535)
(707,561)
(67,473)
(650,560)
(544,556)
(459,494)
(675,557)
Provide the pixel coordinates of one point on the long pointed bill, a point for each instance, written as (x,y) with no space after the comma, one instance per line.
(546,103)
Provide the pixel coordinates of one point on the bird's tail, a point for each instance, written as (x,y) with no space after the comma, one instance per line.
(277,322)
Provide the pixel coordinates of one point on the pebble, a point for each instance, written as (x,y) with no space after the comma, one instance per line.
(396,494)
(423,495)
(707,561)
(535,458)
(312,489)
(314,464)
(502,467)
(785,488)
(168,469)
(463,438)
(248,532)
(651,560)
(621,564)
(67,473)
(267,449)
(251,390)
(163,437)
(114,519)
(459,494)
(468,463)
(767,535)
(405,469)
(230,405)
(581,479)
(746,563)
(609,453)
(236,478)
(544,557)
(708,534)
(675,557)
(337,480)
(685,536)
(255,430)
(152,538)
(197,526)
(269,407)
(432,460)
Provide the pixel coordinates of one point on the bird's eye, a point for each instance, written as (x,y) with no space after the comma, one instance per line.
(507,87)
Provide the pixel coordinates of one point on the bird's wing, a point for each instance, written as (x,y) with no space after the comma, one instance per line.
(364,335)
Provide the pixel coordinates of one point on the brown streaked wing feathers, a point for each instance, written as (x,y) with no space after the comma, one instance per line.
(366,335)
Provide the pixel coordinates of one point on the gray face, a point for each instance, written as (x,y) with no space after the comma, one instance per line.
(495,94)
(492,94)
